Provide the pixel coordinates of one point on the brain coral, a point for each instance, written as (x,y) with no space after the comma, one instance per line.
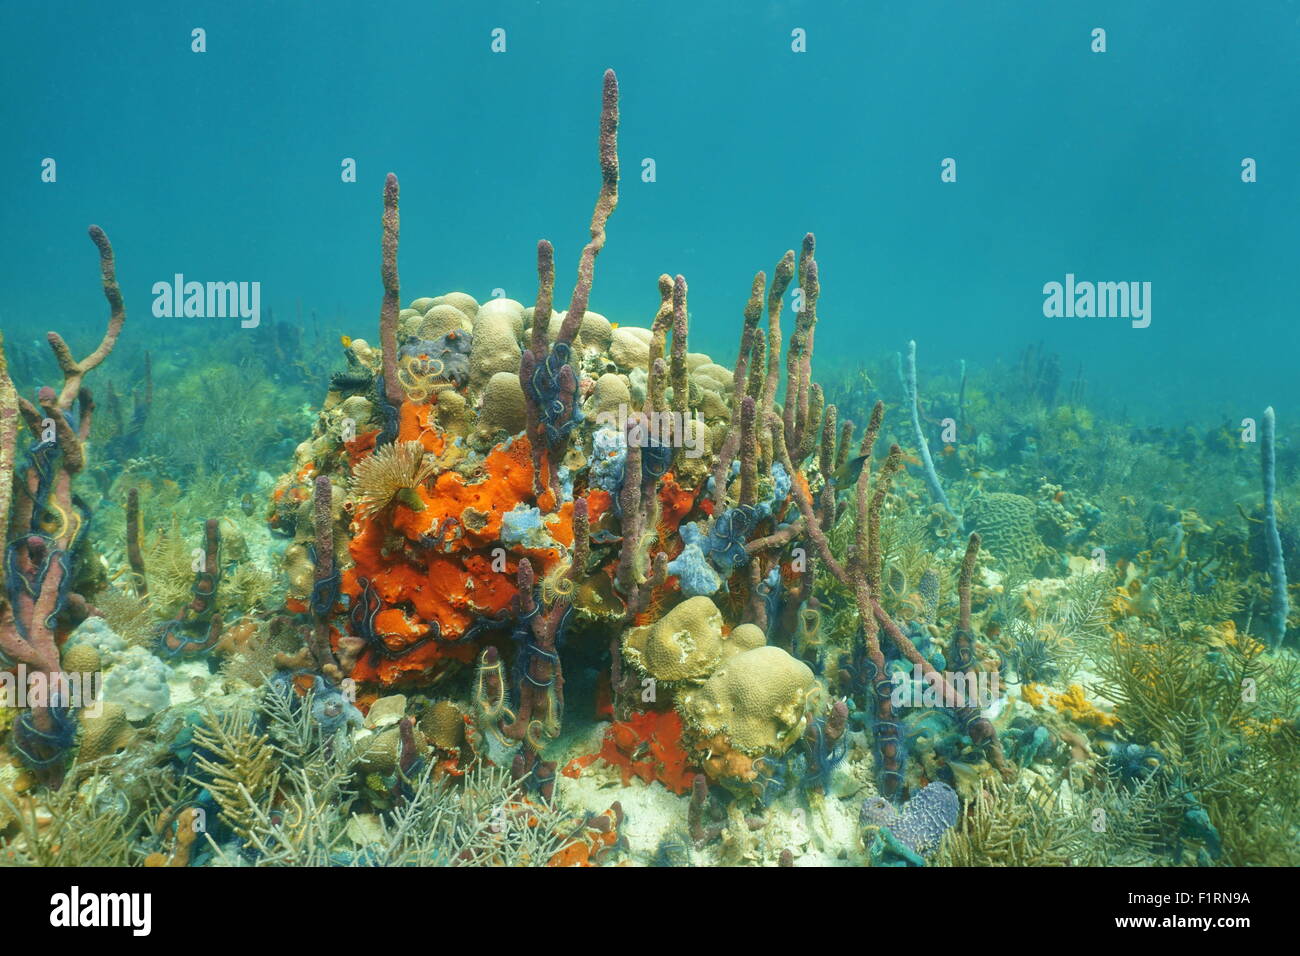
(629,348)
(462,301)
(757,699)
(1005,522)
(494,348)
(609,394)
(684,644)
(440,320)
(104,732)
(744,637)
(503,407)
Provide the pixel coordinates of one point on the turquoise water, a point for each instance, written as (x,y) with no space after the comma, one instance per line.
(1120,166)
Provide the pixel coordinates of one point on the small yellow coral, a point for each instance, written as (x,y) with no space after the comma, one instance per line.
(1261,728)
(1074,705)
(1032,694)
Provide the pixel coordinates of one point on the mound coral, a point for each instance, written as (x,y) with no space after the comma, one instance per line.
(758,699)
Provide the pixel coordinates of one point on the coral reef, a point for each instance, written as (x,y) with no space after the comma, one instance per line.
(517,557)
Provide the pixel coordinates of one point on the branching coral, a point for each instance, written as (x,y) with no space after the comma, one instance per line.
(307,813)
(242,771)
(1011,826)
(69,830)
(1212,706)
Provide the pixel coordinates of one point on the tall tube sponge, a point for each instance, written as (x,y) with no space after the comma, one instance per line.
(907,375)
(1281,606)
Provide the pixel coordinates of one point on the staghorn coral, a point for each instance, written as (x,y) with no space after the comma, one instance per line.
(1011,826)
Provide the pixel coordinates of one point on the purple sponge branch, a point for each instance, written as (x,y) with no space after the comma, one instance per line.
(961,652)
(780,282)
(38,589)
(826,456)
(8,439)
(749,333)
(811,287)
(605,204)
(544,475)
(391,307)
(134,556)
(545,299)
(325,589)
(55,405)
(796,412)
(549,382)
(681,384)
(74,371)
(964,582)
(637,504)
(541,686)
(629,500)
(874,553)
(663,321)
(979,728)
(748,452)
